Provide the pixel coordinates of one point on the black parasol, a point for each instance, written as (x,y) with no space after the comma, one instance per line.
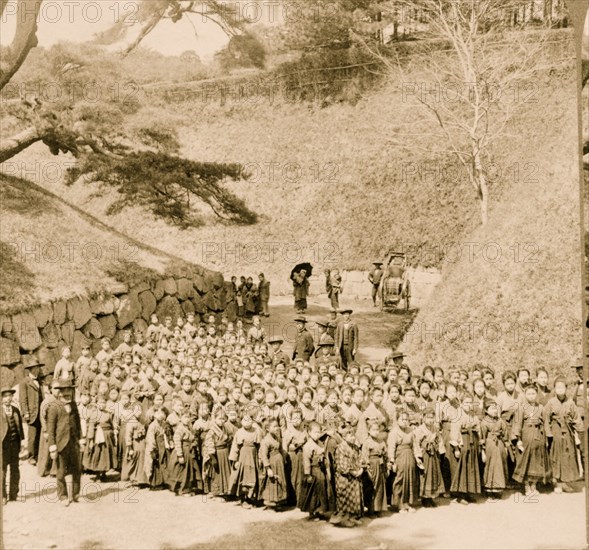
(297,268)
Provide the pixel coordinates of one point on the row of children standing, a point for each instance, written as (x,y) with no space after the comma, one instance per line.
(251,425)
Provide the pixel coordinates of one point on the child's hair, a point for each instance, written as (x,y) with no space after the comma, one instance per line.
(508,375)
(374,424)
(308,391)
(314,425)
(271,422)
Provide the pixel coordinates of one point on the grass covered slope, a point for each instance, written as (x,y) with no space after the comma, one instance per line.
(517,300)
(50,250)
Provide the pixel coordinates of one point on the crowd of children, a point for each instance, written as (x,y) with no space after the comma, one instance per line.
(213,408)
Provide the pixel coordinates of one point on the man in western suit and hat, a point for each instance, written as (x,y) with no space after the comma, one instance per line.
(304,345)
(30,396)
(375,276)
(277,353)
(346,339)
(65,441)
(12,432)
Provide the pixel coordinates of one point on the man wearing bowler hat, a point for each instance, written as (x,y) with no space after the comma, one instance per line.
(304,345)
(12,435)
(375,276)
(346,339)
(30,397)
(277,353)
(65,441)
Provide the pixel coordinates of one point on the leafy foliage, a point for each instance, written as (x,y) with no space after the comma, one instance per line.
(167,185)
(243,51)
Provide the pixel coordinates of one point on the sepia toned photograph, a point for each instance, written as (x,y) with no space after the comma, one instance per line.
(300,274)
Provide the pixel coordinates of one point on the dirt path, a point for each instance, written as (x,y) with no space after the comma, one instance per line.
(113,516)
(375,327)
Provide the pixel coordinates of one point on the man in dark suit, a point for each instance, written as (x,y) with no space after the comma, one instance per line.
(346,339)
(304,345)
(30,397)
(12,435)
(277,353)
(65,442)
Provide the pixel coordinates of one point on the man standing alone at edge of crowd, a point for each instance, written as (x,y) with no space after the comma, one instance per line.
(346,339)
(64,436)
(264,295)
(304,345)
(375,276)
(12,436)
(30,396)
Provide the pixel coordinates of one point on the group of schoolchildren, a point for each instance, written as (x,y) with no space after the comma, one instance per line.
(213,408)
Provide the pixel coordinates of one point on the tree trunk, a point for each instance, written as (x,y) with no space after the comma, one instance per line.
(11,146)
(482,185)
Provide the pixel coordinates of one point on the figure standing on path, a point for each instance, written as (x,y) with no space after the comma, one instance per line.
(301,290)
(346,339)
(264,295)
(375,276)
(333,284)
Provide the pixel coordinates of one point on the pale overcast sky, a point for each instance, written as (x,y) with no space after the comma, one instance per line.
(79,20)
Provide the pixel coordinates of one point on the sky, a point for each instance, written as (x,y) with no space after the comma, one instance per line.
(79,20)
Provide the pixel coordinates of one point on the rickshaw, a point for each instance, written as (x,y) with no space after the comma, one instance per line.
(394,285)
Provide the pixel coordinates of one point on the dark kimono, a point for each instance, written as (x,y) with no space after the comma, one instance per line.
(244,451)
(374,453)
(533,465)
(494,440)
(273,489)
(292,444)
(430,447)
(562,422)
(402,450)
(216,466)
(466,432)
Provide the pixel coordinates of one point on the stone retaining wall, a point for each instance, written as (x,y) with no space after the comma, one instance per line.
(80,320)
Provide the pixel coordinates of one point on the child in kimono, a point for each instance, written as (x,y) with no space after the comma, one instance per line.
(273,487)
(315,499)
(374,455)
(493,442)
(200,428)
(101,436)
(244,456)
(348,479)
(562,423)
(448,411)
(215,456)
(508,402)
(430,446)
(156,451)
(533,463)
(184,475)
(402,453)
(292,443)
(465,433)
(134,470)
(544,392)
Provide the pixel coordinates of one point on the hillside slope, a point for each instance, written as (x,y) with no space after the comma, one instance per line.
(52,250)
(517,300)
